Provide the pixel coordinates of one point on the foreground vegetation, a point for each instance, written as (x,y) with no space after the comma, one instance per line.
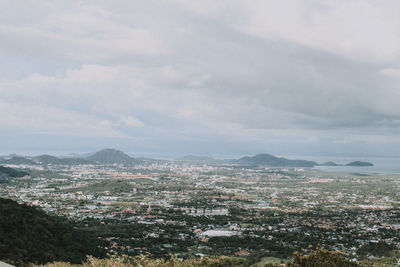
(320,257)
(317,258)
(146,261)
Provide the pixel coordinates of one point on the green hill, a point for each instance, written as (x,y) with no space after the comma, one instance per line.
(27,234)
(18,160)
(270,160)
(8,173)
(111,156)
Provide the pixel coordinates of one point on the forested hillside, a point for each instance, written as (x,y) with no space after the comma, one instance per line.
(9,173)
(27,234)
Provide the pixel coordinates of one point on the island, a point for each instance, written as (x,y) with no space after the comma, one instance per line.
(359,164)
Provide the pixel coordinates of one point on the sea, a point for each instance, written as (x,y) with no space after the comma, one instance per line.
(383,165)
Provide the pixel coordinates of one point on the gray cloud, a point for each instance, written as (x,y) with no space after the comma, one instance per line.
(209,76)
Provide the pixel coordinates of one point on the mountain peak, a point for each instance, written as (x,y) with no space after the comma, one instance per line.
(111,156)
(270,160)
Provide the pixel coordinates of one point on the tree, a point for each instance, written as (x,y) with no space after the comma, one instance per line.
(320,257)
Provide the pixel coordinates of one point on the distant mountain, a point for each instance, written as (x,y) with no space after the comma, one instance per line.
(195,158)
(9,156)
(74,161)
(359,164)
(329,163)
(111,156)
(47,159)
(18,160)
(272,161)
(105,156)
(77,155)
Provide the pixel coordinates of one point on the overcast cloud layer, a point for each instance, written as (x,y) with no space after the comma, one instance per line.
(204,77)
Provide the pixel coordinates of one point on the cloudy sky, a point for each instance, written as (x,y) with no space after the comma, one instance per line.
(204,77)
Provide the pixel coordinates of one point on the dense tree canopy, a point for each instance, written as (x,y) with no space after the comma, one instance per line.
(27,234)
(8,173)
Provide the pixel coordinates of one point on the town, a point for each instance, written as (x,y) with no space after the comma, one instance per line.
(197,208)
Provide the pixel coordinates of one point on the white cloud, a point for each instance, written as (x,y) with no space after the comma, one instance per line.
(200,81)
(170,73)
(131,121)
(359,138)
(362,30)
(231,71)
(82,32)
(391,72)
(34,118)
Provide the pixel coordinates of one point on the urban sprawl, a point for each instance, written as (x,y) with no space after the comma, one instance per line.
(159,208)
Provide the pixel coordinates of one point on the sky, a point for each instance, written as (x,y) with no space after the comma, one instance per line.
(219,78)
